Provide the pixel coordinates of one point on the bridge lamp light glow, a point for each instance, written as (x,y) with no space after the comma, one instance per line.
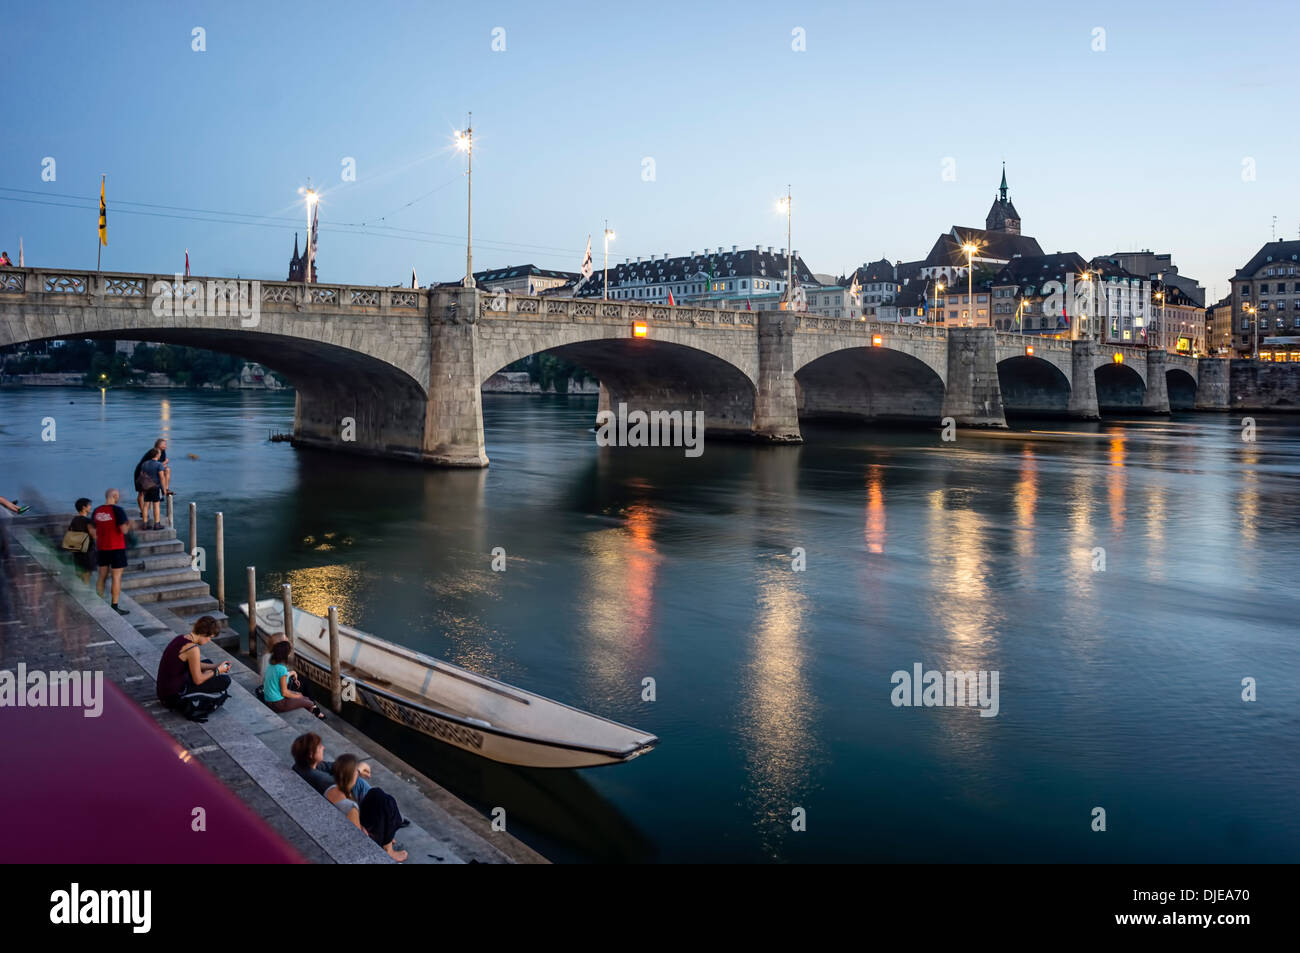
(877,340)
(1118,358)
(639,329)
(1029,350)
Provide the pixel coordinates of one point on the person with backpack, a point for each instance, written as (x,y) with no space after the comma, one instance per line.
(81,531)
(150,476)
(186,682)
(276,690)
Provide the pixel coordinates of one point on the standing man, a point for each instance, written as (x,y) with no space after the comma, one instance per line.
(111,526)
(161,446)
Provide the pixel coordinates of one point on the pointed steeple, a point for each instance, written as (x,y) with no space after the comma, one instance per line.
(295,234)
(1002,191)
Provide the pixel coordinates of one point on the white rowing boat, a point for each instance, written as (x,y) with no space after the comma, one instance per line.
(478,714)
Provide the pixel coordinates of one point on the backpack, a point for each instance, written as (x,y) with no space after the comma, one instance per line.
(197,705)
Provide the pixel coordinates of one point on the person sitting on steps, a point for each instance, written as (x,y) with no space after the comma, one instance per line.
(276,692)
(181,671)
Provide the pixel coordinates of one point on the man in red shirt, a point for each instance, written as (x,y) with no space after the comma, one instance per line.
(111,527)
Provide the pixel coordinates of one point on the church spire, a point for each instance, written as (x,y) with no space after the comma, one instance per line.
(1002,191)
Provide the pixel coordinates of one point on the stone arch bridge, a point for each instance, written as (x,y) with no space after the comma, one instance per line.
(407,365)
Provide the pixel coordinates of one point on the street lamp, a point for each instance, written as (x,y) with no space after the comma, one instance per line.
(609,237)
(934,319)
(784,204)
(970,248)
(1160,305)
(310,198)
(1250,309)
(465,144)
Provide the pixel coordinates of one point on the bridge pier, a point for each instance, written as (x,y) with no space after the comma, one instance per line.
(973,397)
(453,413)
(1212,391)
(1156,400)
(776,404)
(1083,381)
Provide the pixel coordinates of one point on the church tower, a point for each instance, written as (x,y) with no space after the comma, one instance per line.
(1003,216)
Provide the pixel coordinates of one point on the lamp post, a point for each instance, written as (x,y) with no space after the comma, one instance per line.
(609,237)
(969,248)
(934,318)
(310,199)
(465,143)
(785,204)
(1160,317)
(1250,309)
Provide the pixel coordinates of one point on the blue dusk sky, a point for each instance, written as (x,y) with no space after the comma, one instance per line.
(1177,136)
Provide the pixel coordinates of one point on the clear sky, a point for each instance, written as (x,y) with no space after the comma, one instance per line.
(1142,144)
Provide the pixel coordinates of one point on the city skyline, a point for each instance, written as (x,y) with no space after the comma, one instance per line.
(557,154)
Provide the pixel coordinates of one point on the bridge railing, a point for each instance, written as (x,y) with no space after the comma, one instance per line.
(505,306)
(143,289)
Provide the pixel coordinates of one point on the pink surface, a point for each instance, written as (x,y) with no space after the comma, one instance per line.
(117,789)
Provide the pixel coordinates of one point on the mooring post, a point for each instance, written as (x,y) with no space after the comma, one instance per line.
(171,520)
(336,674)
(252,611)
(194,528)
(221,562)
(287,595)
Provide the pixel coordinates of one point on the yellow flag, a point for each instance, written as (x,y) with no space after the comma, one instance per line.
(103,215)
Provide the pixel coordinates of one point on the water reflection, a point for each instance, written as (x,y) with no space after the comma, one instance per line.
(619,599)
(777,710)
(875,531)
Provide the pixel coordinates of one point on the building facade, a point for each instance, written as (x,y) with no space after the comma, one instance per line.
(523,279)
(738,278)
(1266,303)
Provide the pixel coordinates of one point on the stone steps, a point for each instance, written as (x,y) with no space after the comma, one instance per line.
(143,578)
(170,592)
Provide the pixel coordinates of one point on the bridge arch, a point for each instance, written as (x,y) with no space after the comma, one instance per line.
(1182,389)
(869,383)
(1033,386)
(1120,387)
(647,373)
(333,382)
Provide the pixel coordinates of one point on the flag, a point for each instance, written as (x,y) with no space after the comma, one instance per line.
(315,232)
(20,252)
(855,289)
(414,283)
(748,305)
(671,302)
(586,260)
(103,214)
(187,263)
(530,286)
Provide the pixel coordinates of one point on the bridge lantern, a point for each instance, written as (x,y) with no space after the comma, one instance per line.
(876,340)
(639,329)
(1118,358)
(1029,350)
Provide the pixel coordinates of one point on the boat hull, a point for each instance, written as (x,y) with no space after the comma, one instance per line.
(468,734)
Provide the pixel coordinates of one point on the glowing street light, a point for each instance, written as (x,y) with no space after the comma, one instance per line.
(938,289)
(609,237)
(1250,309)
(464,139)
(784,204)
(970,248)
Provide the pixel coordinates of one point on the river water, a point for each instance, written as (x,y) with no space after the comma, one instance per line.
(1119,687)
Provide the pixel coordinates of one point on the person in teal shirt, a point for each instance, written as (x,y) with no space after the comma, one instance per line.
(275,684)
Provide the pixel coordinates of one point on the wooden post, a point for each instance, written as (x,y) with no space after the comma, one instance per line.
(287,595)
(194,528)
(336,673)
(171,521)
(221,563)
(252,611)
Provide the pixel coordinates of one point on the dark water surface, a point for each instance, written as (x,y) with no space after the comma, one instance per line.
(1119,689)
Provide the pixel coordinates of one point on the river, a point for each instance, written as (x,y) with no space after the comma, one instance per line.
(1122,579)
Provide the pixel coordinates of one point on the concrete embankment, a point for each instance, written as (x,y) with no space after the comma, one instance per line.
(55,621)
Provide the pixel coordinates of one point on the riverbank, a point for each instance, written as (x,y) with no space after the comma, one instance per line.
(244,745)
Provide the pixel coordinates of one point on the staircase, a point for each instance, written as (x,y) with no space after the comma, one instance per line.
(159,576)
